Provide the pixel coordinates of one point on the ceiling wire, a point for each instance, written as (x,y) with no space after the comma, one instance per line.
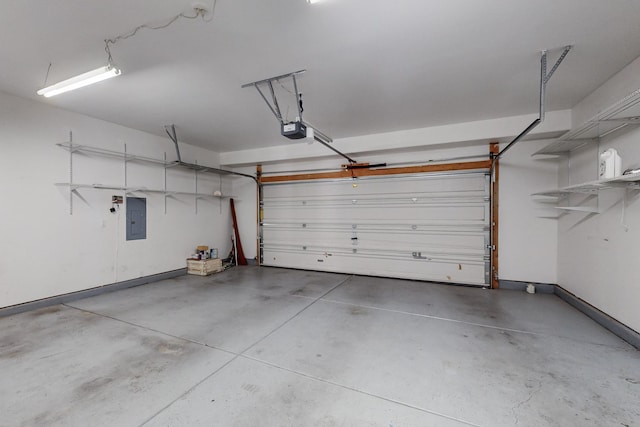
(283,86)
(46,77)
(214,3)
(198,13)
(299,100)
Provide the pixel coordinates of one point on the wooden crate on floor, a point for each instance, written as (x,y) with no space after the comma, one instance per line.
(204,267)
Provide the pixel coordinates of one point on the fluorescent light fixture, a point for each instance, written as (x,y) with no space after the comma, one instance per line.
(82,80)
(313,1)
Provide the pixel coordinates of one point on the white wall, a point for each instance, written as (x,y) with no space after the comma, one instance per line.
(528,236)
(620,85)
(45,251)
(520,176)
(598,254)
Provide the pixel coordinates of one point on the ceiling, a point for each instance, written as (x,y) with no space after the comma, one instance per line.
(372,66)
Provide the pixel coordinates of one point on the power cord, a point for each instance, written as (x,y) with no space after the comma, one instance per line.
(199,12)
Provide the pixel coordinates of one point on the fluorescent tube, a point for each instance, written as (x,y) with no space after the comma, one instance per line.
(82,80)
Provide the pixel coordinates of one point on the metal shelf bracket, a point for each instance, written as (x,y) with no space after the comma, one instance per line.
(544,79)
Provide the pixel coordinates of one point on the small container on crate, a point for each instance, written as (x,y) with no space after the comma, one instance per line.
(202,251)
(213,253)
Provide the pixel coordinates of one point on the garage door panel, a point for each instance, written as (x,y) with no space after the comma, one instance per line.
(377,212)
(413,185)
(367,264)
(367,200)
(409,242)
(422,227)
(283,253)
(434,226)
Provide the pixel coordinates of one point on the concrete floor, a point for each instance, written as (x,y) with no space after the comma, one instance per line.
(274,347)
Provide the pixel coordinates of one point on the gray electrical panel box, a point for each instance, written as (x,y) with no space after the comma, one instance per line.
(136,218)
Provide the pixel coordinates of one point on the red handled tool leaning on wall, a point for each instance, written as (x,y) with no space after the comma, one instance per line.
(241,259)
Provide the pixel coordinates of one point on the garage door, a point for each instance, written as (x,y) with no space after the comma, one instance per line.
(428,227)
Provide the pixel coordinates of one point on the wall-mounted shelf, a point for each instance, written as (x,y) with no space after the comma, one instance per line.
(593,187)
(129,189)
(623,113)
(579,209)
(76,148)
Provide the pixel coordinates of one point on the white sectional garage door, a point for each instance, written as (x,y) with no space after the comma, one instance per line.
(428,227)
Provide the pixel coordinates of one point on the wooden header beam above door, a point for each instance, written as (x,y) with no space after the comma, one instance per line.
(346,173)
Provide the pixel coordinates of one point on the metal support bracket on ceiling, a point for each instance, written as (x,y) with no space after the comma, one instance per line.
(544,79)
(171,132)
(274,106)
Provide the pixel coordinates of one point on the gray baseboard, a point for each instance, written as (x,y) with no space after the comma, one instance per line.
(74,296)
(513,285)
(600,317)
